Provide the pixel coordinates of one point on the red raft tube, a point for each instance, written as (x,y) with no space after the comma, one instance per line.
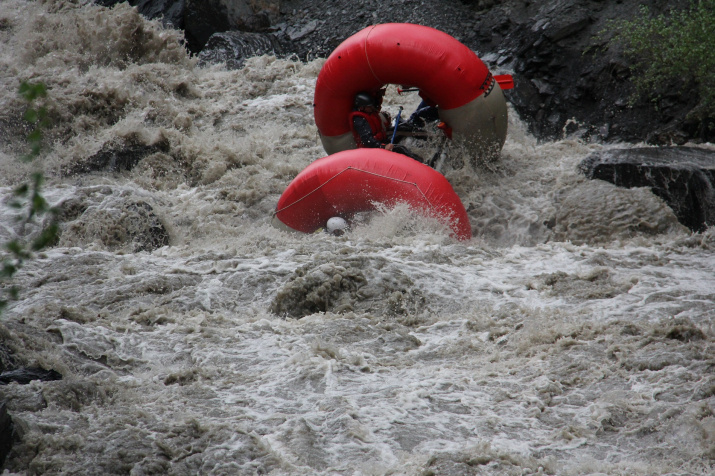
(354,181)
(469,98)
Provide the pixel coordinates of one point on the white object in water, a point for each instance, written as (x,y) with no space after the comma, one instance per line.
(336,225)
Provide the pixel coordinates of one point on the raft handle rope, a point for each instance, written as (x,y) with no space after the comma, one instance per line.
(488,84)
(367,58)
(357,170)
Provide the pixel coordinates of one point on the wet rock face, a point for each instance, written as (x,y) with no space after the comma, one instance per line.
(26,375)
(200,19)
(233,48)
(170,12)
(568,81)
(683,177)
(6,433)
(118,157)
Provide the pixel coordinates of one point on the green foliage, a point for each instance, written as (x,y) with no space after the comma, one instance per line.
(675,50)
(36,116)
(28,199)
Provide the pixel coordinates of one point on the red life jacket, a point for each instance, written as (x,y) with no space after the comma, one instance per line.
(378,124)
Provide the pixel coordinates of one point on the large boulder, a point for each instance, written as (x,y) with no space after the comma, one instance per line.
(112,218)
(203,18)
(683,177)
(233,48)
(169,12)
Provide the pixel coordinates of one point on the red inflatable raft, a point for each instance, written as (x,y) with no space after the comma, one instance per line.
(353,181)
(470,101)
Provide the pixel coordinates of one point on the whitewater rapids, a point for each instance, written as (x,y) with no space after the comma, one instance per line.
(573,335)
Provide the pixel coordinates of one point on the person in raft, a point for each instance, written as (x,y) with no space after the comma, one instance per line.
(425,112)
(369,126)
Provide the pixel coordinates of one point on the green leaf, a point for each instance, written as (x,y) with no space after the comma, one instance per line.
(35,135)
(17,249)
(32,91)
(13,247)
(47,237)
(8,270)
(31,115)
(21,190)
(38,179)
(39,204)
(14,292)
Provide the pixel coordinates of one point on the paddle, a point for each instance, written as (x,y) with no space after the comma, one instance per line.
(505,81)
(397,123)
(438,157)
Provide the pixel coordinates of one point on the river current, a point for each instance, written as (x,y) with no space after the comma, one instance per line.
(572,335)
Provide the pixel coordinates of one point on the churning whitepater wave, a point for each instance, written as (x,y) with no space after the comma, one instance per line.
(572,335)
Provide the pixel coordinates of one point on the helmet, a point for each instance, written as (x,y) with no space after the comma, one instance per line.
(364,99)
(336,226)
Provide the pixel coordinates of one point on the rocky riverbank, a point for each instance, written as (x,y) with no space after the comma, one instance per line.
(568,80)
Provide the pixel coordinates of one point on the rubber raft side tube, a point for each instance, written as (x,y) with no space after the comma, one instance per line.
(354,181)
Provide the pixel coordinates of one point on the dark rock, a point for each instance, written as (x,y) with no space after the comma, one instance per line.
(325,288)
(682,176)
(6,433)
(169,12)
(355,285)
(26,375)
(234,47)
(203,18)
(7,359)
(117,223)
(118,157)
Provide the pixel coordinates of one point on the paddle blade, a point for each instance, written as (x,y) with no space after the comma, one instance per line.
(505,81)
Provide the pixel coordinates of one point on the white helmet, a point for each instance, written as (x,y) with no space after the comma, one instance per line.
(336,226)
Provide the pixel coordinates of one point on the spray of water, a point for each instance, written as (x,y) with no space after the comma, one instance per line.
(572,335)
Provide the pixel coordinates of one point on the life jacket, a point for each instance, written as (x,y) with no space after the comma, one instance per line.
(378,125)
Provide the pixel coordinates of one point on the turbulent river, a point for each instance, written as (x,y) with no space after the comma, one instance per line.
(572,335)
